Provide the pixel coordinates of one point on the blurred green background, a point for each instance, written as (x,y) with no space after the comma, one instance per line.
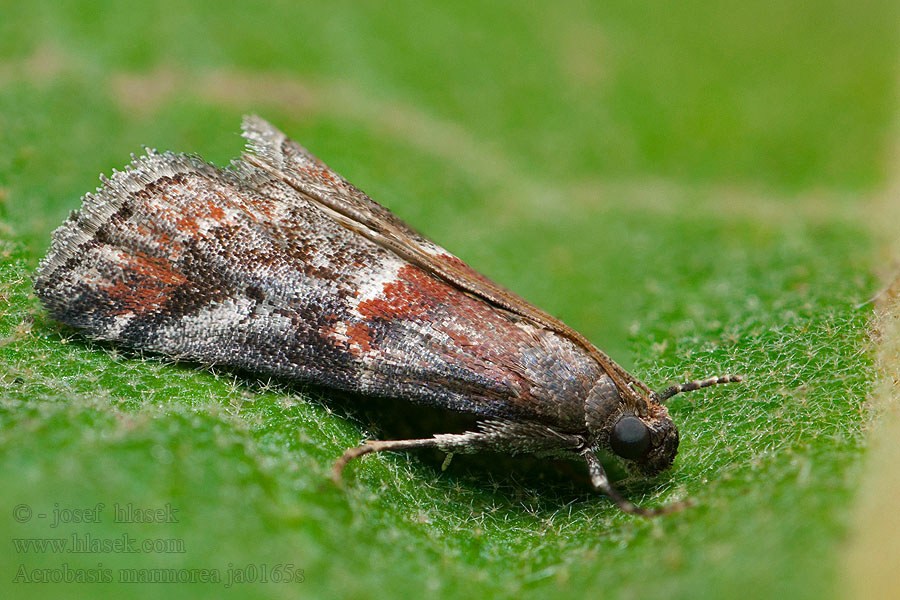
(698,188)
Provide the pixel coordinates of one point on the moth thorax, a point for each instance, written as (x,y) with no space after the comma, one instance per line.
(602,403)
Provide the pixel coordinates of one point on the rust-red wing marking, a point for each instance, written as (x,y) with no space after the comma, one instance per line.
(145,285)
(414,293)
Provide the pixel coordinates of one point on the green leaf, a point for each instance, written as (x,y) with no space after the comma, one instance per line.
(693,190)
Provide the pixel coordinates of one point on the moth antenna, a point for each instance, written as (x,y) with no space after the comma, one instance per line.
(696,384)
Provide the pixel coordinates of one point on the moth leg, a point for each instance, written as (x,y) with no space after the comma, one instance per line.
(601,482)
(492,436)
(337,471)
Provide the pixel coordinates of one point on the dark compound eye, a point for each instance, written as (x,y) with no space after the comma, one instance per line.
(630,438)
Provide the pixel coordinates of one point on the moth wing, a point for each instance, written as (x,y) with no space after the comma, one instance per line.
(273,152)
(309,175)
(175,256)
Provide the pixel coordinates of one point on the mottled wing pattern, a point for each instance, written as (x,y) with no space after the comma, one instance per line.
(272,151)
(237,268)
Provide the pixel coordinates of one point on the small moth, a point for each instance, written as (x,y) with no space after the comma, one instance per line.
(279,266)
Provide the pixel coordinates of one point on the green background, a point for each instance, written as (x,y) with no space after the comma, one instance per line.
(695,188)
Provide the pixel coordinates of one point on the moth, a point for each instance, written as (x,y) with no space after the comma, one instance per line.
(279,266)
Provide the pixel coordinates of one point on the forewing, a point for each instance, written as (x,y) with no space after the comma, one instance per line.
(272,152)
(237,268)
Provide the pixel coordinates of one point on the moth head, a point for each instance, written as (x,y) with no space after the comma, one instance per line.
(637,428)
(641,433)
(650,443)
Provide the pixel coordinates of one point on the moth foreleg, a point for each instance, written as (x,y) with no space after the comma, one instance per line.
(601,482)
